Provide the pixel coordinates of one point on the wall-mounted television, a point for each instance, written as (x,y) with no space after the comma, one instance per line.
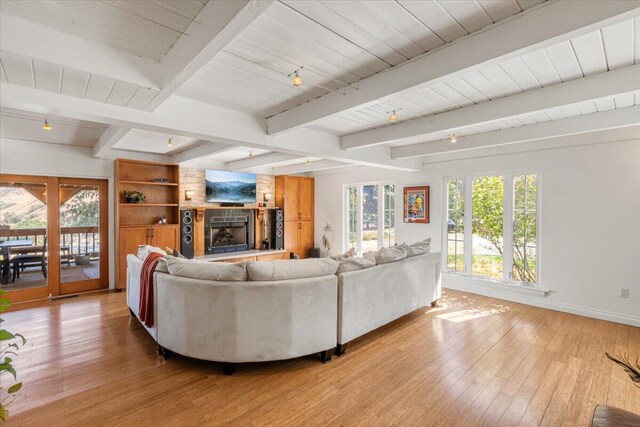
(230,187)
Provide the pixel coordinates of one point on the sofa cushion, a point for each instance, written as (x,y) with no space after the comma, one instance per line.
(415,249)
(161,267)
(370,255)
(218,271)
(425,242)
(392,254)
(353,264)
(145,250)
(348,254)
(268,271)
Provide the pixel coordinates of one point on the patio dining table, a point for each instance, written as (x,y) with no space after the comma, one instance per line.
(5,251)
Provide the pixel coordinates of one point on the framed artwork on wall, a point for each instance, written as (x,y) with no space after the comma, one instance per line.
(416,204)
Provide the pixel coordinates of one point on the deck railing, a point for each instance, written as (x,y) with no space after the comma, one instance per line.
(73,240)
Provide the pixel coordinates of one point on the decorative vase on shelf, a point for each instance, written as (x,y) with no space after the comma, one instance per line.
(134,197)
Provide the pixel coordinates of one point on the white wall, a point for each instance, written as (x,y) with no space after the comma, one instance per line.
(37,158)
(590,222)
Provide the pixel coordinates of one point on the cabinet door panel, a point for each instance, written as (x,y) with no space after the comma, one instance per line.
(305,238)
(291,236)
(166,235)
(291,198)
(305,198)
(129,240)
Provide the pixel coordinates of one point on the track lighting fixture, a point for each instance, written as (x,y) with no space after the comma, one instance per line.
(46,125)
(308,162)
(250,154)
(297,80)
(453,139)
(393,117)
(170,142)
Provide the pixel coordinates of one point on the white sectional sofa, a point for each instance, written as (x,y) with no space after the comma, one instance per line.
(373,297)
(252,321)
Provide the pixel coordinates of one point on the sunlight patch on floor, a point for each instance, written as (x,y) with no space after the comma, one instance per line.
(463,315)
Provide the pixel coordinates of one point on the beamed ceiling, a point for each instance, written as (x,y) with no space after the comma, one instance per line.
(215,77)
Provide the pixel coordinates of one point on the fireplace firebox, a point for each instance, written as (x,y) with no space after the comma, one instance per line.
(228,231)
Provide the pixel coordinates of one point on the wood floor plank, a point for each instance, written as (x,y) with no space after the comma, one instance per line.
(472,361)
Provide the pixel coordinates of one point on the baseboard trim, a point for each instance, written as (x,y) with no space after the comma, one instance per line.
(465,286)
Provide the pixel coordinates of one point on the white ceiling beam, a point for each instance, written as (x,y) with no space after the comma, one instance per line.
(24,37)
(259,161)
(217,24)
(533,29)
(308,167)
(605,120)
(599,137)
(198,120)
(108,140)
(616,82)
(200,151)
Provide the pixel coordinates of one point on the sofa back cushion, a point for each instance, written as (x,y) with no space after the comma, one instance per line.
(392,254)
(145,250)
(268,271)
(202,270)
(353,264)
(415,249)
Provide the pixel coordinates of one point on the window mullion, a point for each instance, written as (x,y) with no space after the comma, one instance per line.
(468,232)
(380,215)
(507,227)
(359,219)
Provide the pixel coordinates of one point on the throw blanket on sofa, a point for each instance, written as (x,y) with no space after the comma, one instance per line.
(145,311)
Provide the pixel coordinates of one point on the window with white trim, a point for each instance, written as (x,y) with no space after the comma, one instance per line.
(491,226)
(370,216)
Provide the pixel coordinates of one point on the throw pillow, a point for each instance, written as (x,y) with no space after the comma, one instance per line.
(425,242)
(145,250)
(353,264)
(268,271)
(415,249)
(371,256)
(392,254)
(349,254)
(202,270)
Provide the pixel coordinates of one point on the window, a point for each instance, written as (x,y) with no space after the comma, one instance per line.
(370,217)
(501,212)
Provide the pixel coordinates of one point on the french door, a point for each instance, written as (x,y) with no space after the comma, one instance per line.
(53,236)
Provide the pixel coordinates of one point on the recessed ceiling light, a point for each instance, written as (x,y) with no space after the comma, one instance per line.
(46,125)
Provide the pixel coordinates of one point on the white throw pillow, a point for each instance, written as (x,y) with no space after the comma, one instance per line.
(392,254)
(349,254)
(425,242)
(353,264)
(161,267)
(145,250)
(202,270)
(268,271)
(371,256)
(415,249)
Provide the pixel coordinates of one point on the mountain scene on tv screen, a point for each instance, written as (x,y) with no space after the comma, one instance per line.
(231,191)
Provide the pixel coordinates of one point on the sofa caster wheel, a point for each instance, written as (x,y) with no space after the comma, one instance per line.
(341,349)
(164,352)
(326,355)
(228,368)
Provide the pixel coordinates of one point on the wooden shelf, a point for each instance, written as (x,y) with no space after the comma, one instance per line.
(147,225)
(150,204)
(170,184)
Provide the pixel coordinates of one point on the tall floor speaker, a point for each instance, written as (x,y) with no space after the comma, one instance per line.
(186,233)
(276,221)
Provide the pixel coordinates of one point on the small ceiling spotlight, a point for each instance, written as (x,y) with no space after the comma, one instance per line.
(393,117)
(46,125)
(170,142)
(453,139)
(308,162)
(297,80)
(250,154)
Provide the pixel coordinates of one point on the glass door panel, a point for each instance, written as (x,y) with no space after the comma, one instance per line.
(24,261)
(369,218)
(82,213)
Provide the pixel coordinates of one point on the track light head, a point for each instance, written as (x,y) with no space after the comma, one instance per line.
(46,125)
(453,139)
(170,142)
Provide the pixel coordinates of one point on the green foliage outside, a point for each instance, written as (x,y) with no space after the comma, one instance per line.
(10,343)
(487,223)
(82,210)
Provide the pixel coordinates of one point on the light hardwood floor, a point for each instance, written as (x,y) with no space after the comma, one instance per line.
(471,361)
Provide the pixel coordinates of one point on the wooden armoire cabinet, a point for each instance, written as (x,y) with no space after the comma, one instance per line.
(295,194)
(137,223)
